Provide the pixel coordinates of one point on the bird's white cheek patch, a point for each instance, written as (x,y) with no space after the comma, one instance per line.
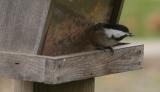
(115,33)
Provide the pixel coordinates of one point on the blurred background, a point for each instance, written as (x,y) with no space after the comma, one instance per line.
(143,19)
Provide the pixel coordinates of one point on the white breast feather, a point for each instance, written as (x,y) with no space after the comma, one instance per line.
(115,33)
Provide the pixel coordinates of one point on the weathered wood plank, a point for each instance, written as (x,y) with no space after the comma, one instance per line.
(23,67)
(22,26)
(61,69)
(93,64)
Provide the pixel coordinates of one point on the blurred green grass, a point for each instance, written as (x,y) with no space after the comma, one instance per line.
(142,17)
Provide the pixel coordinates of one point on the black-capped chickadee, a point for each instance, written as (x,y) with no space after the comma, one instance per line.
(105,36)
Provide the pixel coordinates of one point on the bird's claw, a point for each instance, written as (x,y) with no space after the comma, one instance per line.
(104,49)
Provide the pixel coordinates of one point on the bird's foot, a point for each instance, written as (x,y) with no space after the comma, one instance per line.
(104,49)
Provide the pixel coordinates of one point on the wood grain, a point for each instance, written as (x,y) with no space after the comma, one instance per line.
(22,67)
(61,69)
(22,26)
(94,64)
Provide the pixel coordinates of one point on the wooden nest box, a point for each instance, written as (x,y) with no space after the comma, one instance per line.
(43,41)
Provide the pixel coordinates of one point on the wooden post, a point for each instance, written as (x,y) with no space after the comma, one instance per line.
(77,86)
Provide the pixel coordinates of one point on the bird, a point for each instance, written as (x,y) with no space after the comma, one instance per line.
(105,36)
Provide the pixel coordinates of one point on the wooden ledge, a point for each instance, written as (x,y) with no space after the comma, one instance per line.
(61,69)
